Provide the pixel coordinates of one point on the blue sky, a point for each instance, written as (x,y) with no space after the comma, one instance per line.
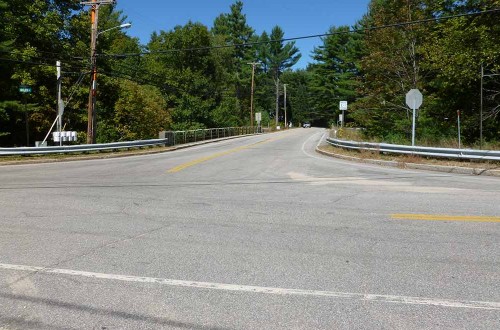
(296,18)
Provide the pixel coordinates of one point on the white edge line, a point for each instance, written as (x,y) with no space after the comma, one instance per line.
(320,140)
(488,305)
(353,163)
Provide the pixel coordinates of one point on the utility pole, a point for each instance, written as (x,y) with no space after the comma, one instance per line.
(60,103)
(277,99)
(253,64)
(94,16)
(286,122)
(481,111)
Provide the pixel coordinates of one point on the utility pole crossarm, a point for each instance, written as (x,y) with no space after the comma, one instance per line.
(284,91)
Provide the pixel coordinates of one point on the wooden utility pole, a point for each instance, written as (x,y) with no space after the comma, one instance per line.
(91,115)
(286,123)
(253,64)
(277,81)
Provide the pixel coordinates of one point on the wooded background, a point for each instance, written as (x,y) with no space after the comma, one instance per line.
(196,76)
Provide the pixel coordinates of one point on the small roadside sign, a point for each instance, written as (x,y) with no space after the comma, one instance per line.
(25,89)
(414,99)
(343,105)
(258,116)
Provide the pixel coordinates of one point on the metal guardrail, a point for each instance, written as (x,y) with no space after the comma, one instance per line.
(167,138)
(470,154)
(28,151)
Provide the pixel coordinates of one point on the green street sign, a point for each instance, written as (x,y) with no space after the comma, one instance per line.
(25,89)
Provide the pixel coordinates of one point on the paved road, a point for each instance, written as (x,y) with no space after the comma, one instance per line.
(254,233)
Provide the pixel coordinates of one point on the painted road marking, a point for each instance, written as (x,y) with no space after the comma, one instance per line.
(263,290)
(373,183)
(437,217)
(220,154)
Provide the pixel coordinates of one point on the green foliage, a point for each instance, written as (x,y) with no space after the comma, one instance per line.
(189,79)
(184,82)
(374,70)
(299,100)
(275,57)
(233,26)
(334,75)
(140,112)
(280,56)
(224,115)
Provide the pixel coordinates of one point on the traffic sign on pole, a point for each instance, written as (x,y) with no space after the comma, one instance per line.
(258,116)
(343,105)
(414,100)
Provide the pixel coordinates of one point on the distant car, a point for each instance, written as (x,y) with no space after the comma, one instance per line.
(306,125)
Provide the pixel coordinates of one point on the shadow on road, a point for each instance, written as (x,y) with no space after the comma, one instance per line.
(151,320)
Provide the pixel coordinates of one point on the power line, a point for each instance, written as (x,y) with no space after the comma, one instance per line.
(75,87)
(361,30)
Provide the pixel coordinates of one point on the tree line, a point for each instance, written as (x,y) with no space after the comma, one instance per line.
(196,76)
(441,53)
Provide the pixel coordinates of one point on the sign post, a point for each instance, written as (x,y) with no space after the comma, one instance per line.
(23,89)
(414,100)
(342,107)
(258,119)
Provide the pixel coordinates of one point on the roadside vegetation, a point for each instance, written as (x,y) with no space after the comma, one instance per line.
(413,159)
(187,77)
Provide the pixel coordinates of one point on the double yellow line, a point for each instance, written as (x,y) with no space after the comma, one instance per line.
(220,154)
(437,217)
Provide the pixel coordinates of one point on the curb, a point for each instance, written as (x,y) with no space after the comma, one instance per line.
(118,154)
(413,166)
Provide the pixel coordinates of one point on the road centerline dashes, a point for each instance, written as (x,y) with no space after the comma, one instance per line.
(197,161)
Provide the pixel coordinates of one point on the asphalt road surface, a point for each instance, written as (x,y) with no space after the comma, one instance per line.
(258,232)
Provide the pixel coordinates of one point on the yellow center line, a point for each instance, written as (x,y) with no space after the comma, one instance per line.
(220,154)
(438,217)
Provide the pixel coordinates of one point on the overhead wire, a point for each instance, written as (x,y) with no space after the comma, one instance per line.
(75,87)
(359,30)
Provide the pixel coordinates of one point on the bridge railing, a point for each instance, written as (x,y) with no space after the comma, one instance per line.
(182,137)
